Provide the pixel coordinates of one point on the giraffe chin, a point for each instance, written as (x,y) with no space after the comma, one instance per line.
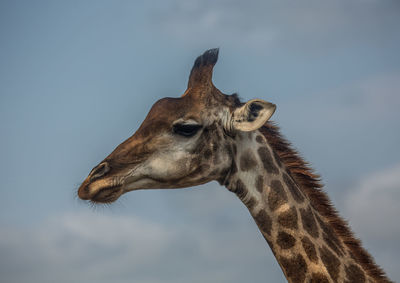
(107,194)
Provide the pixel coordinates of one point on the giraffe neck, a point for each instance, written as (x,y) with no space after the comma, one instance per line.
(302,240)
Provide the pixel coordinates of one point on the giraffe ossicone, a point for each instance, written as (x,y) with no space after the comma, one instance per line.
(206,135)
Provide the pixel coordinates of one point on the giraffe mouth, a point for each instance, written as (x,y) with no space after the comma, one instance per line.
(107,194)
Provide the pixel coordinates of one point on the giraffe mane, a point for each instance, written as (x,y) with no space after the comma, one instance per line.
(311,185)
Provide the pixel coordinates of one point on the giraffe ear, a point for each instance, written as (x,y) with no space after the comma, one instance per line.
(252,115)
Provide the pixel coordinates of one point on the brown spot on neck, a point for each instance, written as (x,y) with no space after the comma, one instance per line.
(331,263)
(297,195)
(318,278)
(354,274)
(247,161)
(267,160)
(295,268)
(260,139)
(277,195)
(309,223)
(263,221)
(289,218)
(309,249)
(330,237)
(285,240)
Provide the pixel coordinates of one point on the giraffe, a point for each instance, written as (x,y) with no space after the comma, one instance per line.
(206,135)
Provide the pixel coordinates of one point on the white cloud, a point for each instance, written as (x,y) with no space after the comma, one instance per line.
(95,247)
(372,208)
(373,205)
(92,247)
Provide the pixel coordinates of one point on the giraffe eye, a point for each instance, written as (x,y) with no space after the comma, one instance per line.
(186,130)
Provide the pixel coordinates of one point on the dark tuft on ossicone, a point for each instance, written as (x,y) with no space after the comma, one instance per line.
(210,57)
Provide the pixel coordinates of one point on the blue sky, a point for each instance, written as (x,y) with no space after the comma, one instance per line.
(78,77)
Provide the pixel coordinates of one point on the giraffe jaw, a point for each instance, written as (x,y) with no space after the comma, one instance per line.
(107,194)
(110,193)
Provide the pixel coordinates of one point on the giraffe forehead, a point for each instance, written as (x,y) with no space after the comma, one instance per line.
(168,110)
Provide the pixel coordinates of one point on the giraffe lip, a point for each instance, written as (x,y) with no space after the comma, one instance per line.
(107,194)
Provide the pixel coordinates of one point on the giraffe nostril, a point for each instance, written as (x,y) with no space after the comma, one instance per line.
(100,170)
(83,191)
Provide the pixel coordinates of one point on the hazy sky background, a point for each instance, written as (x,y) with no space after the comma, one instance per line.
(78,77)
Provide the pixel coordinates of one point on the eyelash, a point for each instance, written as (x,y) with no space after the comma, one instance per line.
(186,130)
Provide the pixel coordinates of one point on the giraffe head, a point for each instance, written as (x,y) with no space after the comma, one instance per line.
(183,141)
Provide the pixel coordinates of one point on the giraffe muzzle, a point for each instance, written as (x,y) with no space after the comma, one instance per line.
(99,187)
